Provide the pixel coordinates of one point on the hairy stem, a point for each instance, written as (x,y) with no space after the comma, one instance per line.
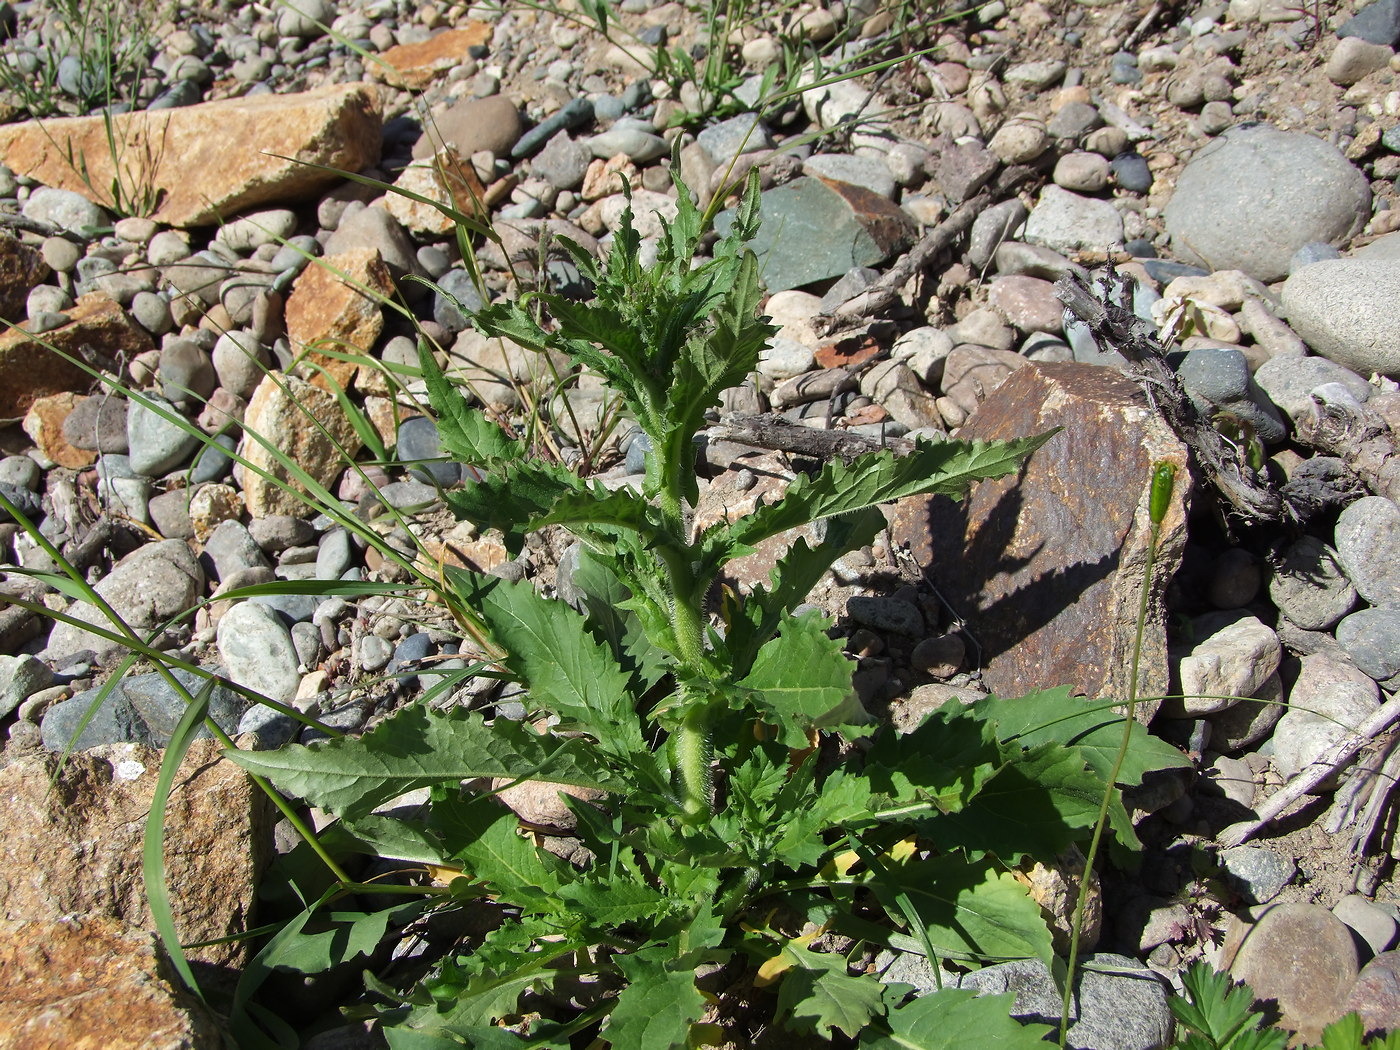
(693,749)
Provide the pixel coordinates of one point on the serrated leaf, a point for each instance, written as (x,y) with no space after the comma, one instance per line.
(1221,1013)
(603,597)
(937,768)
(947,467)
(657,1007)
(1090,726)
(512,498)
(818,995)
(801,681)
(842,801)
(616,901)
(1035,805)
(954,1019)
(417,747)
(792,579)
(484,838)
(567,672)
(463,431)
(970,909)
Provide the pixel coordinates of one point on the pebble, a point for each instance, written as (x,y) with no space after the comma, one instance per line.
(1260,874)
(1081,172)
(1229,664)
(1375,925)
(1367,537)
(1251,198)
(1348,311)
(1068,222)
(1330,698)
(886,614)
(257,651)
(1309,587)
(156,443)
(65,209)
(1371,639)
(1288,382)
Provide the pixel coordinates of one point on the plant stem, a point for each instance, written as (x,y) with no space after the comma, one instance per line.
(693,751)
(1158,502)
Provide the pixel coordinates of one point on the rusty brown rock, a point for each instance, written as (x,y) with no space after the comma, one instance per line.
(1047,566)
(1376,993)
(91,983)
(209,161)
(30,369)
(73,846)
(22,267)
(1300,957)
(328,308)
(416,66)
(447,178)
(44,425)
(306,424)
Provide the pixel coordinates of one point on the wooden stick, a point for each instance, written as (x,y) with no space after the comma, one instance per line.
(1116,327)
(776,433)
(1329,762)
(883,293)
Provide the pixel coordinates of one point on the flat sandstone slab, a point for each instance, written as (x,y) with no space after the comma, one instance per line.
(211,161)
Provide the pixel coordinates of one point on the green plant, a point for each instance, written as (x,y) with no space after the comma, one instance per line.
(722,831)
(1219,1015)
(94,56)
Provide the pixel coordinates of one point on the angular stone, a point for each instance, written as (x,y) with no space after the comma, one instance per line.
(448,178)
(416,66)
(90,982)
(44,425)
(1300,956)
(1050,590)
(815,228)
(29,369)
(1231,664)
(327,308)
(217,841)
(212,160)
(22,267)
(146,588)
(964,169)
(306,424)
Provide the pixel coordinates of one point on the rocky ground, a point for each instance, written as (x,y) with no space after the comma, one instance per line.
(1238,161)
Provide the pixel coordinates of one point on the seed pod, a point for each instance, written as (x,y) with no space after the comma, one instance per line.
(1163,475)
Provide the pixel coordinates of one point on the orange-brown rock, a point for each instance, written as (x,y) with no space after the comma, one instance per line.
(447,178)
(329,309)
(209,161)
(91,983)
(22,267)
(73,846)
(1046,566)
(305,424)
(44,425)
(416,66)
(29,367)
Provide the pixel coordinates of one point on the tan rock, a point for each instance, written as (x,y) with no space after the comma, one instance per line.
(44,425)
(328,308)
(1046,565)
(22,267)
(446,178)
(605,177)
(212,160)
(73,846)
(29,367)
(304,423)
(416,66)
(92,983)
(211,506)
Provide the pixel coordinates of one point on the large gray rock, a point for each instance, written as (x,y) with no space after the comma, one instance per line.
(1052,592)
(1068,222)
(1119,1003)
(817,228)
(146,588)
(1255,195)
(1368,537)
(1330,698)
(1348,310)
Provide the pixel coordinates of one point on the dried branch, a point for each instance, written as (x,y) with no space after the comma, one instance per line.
(1330,762)
(1116,327)
(883,293)
(775,433)
(1344,427)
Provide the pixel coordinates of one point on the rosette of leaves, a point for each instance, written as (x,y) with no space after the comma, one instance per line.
(725,842)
